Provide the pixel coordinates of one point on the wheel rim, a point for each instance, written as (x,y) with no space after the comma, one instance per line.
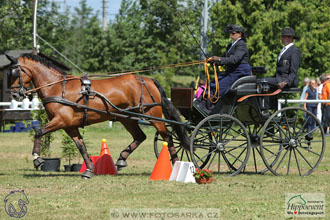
(220,143)
(183,154)
(287,146)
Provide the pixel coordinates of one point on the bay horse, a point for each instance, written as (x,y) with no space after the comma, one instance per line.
(72,102)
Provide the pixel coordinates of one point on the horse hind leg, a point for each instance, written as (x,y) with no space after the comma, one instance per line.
(78,140)
(162,130)
(138,135)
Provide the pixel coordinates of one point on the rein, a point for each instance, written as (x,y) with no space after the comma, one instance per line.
(216,95)
(114,74)
(69,79)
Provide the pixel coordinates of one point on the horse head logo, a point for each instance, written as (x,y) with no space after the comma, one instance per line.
(15,204)
(297,200)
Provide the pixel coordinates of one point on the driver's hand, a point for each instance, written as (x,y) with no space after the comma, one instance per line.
(281,85)
(213,59)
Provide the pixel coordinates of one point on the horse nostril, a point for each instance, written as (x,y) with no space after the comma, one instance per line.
(15,96)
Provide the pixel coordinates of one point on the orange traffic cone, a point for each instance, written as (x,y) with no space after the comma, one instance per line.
(105,164)
(104,148)
(163,168)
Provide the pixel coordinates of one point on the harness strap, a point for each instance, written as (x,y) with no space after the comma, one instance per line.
(143,82)
(86,92)
(63,85)
(124,113)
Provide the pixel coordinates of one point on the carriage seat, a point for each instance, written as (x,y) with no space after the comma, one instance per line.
(244,86)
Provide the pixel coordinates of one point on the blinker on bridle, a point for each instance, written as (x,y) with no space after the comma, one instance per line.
(15,71)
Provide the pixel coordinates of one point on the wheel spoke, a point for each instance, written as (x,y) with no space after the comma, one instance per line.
(310,151)
(220,134)
(204,137)
(281,160)
(237,159)
(182,153)
(295,155)
(287,173)
(228,164)
(268,150)
(212,161)
(280,129)
(275,144)
(254,160)
(219,157)
(187,154)
(206,155)
(275,154)
(304,158)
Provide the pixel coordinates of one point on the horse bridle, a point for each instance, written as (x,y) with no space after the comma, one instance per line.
(14,72)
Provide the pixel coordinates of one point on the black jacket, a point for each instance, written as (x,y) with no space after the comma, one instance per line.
(287,66)
(237,55)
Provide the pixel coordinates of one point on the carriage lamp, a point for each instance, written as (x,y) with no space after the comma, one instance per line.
(262,86)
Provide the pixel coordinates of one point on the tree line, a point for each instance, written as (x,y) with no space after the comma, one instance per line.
(147,34)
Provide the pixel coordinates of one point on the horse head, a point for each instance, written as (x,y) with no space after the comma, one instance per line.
(18,82)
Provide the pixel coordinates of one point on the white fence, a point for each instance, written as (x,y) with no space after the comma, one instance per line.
(299,101)
(26,104)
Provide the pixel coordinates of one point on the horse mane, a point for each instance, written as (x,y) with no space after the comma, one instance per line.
(43,61)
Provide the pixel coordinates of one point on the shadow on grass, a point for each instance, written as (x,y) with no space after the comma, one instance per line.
(247,173)
(134,174)
(40,175)
(37,175)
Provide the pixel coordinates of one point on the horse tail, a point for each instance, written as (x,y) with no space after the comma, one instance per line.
(171,113)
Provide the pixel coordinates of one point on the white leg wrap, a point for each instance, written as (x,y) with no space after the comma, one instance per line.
(35,156)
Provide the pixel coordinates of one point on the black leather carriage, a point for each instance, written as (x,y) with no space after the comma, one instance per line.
(244,86)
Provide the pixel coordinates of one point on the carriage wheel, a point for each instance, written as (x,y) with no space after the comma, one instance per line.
(220,143)
(286,145)
(255,164)
(183,154)
(250,118)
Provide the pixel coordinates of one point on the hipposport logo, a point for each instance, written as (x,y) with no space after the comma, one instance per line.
(14,199)
(305,205)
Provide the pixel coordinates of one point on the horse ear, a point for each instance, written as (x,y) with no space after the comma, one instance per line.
(12,59)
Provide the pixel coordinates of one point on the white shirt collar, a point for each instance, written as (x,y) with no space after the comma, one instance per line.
(235,42)
(285,48)
(289,45)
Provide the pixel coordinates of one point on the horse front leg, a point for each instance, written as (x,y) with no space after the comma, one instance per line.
(37,161)
(78,140)
(51,126)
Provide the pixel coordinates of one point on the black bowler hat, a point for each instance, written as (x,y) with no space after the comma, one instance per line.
(289,32)
(234,28)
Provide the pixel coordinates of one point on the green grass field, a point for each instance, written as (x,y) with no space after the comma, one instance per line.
(61,195)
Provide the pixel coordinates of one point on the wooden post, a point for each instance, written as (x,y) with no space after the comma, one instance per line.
(35,45)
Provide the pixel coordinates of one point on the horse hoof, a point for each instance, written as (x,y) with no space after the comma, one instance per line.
(121,164)
(87,174)
(38,162)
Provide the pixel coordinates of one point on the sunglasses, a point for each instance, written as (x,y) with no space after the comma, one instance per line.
(232,33)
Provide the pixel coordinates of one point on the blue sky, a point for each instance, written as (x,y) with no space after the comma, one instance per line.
(112,6)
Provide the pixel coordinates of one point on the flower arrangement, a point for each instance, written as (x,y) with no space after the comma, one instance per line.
(203,174)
